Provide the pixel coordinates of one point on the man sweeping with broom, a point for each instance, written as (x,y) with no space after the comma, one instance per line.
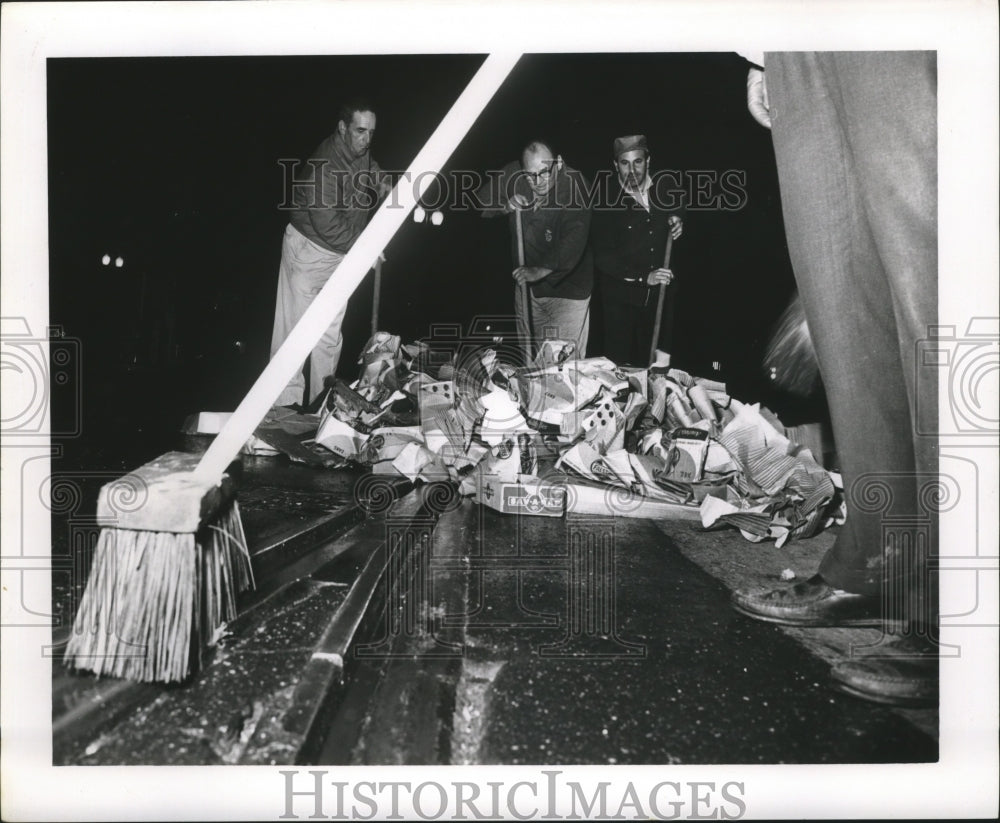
(172,555)
(330,213)
(630,230)
(546,204)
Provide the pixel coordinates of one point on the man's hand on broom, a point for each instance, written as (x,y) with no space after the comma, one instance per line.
(676,226)
(521,203)
(530,274)
(660,277)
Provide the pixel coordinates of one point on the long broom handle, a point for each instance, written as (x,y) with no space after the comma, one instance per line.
(333,297)
(376,293)
(659,301)
(522,286)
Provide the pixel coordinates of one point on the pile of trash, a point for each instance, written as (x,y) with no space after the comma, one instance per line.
(564,435)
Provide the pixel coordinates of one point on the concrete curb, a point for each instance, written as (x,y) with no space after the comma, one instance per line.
(86,708)
(296,722)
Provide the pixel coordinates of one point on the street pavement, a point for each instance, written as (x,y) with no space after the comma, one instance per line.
(492,638)
(590,641)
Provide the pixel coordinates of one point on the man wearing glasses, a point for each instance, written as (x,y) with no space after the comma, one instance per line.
(555,222)
(629,238)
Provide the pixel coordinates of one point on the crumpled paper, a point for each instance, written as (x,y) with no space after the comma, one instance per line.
(667,443)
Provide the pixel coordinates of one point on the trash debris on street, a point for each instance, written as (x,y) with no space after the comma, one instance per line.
(564,435)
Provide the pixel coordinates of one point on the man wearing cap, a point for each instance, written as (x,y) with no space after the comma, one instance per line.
(555,221)
(629,231)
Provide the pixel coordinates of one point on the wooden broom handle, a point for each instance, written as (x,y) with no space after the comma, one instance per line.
(522,286)
(376,294)
(659,299)
(333,297)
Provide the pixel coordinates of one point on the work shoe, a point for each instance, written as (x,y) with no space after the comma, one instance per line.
(902,672)
(813,602)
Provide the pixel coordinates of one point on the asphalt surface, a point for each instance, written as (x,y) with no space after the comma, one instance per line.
(503,640)
(556,671)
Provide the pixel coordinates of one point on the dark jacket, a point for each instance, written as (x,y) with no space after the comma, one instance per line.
(332,208)
(628,242)
(555,234)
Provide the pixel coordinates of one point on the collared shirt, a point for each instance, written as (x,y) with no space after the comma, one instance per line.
(642,195)
(629,234)
(555,234)
(334,193)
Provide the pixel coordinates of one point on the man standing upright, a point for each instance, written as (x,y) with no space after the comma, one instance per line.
(629,238)
(330,212)
(555,222)
(855,140)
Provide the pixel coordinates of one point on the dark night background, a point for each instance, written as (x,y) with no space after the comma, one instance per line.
(172,163)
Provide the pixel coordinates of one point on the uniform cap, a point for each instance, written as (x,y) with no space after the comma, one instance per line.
(630,143)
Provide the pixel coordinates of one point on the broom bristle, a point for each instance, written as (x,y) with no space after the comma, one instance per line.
(791,357)
(154,600)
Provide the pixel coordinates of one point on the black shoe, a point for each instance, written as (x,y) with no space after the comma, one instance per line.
(813,602)
(902,672)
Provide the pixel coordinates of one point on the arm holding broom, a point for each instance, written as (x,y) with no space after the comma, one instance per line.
(171,555)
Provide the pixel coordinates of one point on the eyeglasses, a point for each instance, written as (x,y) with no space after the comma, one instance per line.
(537,176)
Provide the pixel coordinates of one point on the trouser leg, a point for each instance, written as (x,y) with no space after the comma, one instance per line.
(854,141)
(303,271)
(325,357)
(619,325)
(892,129)
(559,318)
(848,158)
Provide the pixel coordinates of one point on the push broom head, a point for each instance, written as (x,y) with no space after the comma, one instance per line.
(168,564)
(790,359)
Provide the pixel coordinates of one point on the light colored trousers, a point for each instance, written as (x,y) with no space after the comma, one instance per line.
(305,268)
(553,318)
(855,138)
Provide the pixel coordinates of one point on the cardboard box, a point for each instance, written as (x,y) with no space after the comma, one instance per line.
(340,438)
(530,495)
(688,450)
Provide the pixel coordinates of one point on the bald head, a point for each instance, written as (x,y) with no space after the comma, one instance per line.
(536,150)
(540,166)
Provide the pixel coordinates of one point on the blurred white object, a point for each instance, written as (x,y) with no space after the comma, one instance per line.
(437,218)
(662,359)
(418,215)
(791,357)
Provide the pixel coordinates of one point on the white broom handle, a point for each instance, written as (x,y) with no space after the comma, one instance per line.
(334,295)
